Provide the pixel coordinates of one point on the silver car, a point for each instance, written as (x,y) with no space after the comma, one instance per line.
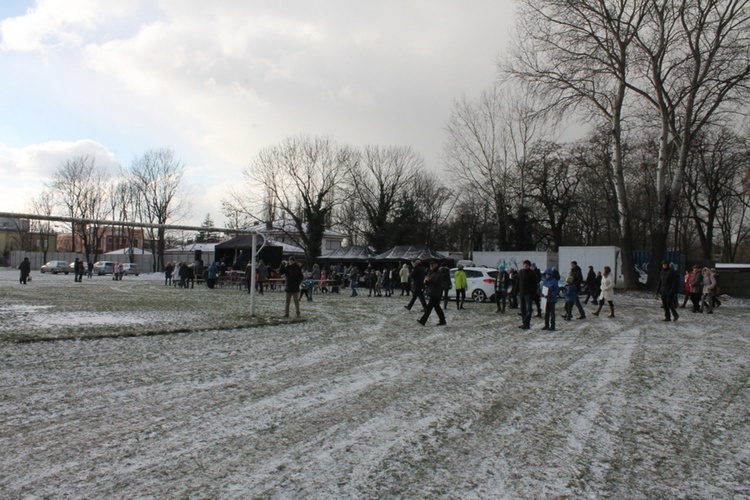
(55,266)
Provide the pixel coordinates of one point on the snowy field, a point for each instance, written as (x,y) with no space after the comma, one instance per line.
(134,390)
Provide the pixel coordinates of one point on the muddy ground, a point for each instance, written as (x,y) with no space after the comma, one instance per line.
(357,400)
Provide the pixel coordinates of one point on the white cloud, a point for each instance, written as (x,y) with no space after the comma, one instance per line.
(218,81)
(52,24)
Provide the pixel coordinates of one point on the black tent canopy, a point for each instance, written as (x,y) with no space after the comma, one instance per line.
(237,251)
(410,253)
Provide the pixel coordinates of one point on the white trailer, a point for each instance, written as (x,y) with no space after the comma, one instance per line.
(514,260)
(598,257)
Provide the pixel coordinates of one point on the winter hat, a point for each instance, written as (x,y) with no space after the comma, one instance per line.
(460,266)
(501,267)
(548,271)
(533,264)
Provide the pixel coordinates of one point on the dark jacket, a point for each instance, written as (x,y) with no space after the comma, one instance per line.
(577,274)
(417,277)
(294,277)
(668,282)
(435,284)
(527,282)
(25,267)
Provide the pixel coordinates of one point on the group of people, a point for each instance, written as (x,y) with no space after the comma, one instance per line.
(527,288)
(699,285)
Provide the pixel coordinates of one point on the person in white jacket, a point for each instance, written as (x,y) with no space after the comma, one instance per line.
(607,292)
(709,284)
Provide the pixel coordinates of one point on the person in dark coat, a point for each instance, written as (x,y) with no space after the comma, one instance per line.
(417,284)
(445,274)
(577,275)
(434,282)
(294,277)
(25,268)
(591,289)
(78,270)
(527,289)
(667,287)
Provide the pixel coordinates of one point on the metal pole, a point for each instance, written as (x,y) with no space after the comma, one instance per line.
(251,282)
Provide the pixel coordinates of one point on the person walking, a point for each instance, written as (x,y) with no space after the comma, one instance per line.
(686,287)
(552,293)
(25,268)
(591,290)
(213,274)
(293,274)
(666,288)
(417,277)
(77,270)
(403,276)
(696,287)
(577,274)
(570,298)
(607,293)
(709,283)
(261,276)
(168,272)
(353,279)
(434,282)
(527,289)
(445,274)
(461,285)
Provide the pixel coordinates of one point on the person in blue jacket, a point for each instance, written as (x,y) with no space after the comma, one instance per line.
(553,291)
(571,292)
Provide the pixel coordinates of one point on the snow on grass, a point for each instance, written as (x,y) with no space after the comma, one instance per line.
(182,393)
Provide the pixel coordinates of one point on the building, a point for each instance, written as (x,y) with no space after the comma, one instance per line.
(16,234)
(113,238)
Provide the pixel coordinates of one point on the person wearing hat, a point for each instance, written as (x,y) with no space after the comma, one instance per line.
(25,268)
(666,287)
(293,274)
(461,284)
(434,282)
(553,290)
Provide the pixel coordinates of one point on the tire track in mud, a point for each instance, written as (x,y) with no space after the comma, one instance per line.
(520,428)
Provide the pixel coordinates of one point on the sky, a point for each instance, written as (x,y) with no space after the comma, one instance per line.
(219,81)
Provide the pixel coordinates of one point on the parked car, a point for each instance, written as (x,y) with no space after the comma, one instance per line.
(104,267)
(131,269)
(55,266)
(480,283)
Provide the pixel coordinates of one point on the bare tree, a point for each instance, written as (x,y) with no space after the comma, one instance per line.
(554,182)
(488,140)
(79,186)
(698,57)
(157,177)
(379,179)
(43,204)
(577,54)
(714,170)
(303,177)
